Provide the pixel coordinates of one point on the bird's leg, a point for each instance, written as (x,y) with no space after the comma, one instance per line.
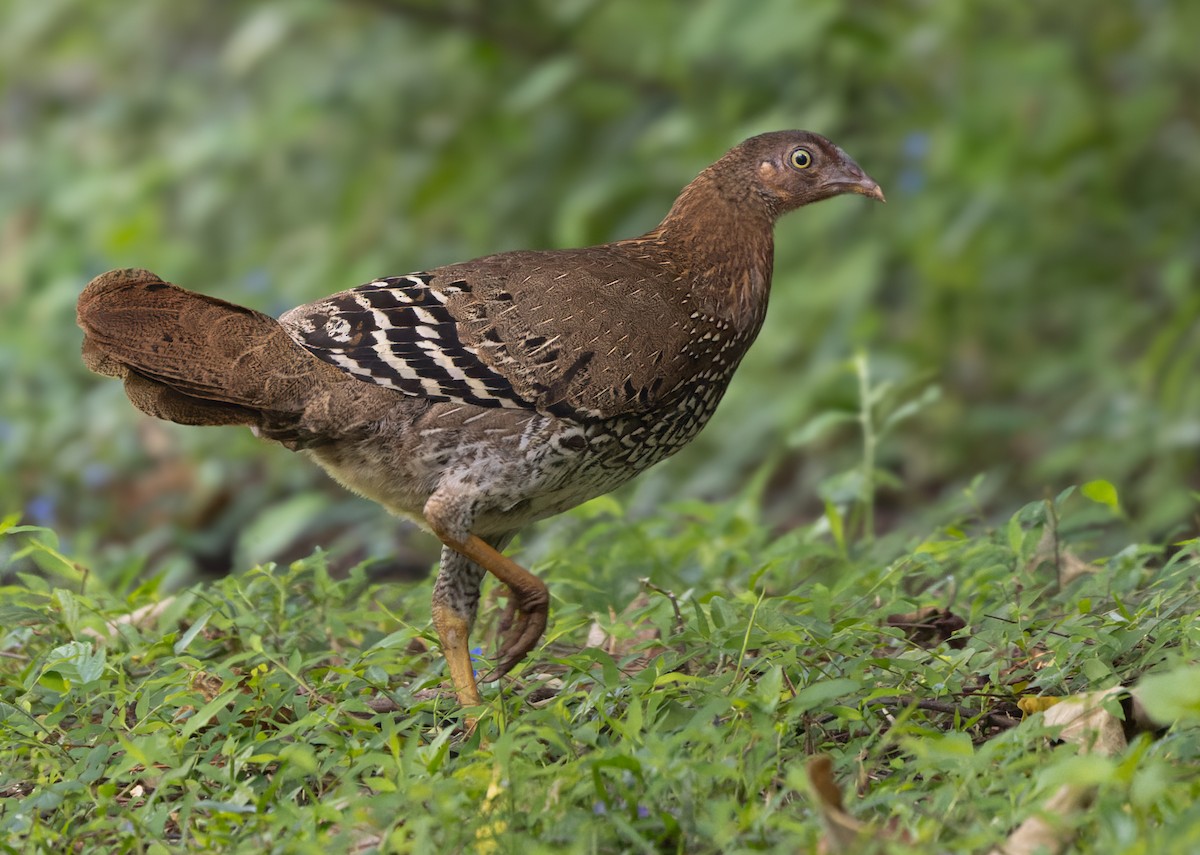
(455,601)
(525,619)
(450,518)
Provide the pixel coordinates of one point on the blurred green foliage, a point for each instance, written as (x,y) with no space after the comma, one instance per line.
(1037,259)
(239,715)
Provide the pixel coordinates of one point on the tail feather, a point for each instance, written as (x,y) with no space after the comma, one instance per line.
(194,359)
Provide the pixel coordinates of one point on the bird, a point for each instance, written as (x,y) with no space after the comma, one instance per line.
(479,397)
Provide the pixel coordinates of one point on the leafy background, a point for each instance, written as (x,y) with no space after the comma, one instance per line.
(1021,316)
(1033,274)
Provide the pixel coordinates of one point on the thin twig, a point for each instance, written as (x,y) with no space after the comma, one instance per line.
(866,419)
(670,595)
(930,705)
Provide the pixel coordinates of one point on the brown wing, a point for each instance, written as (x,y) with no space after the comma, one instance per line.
(587,330)
(580,333)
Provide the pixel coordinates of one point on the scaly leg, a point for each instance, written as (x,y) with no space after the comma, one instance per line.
(455,601)
(450,515)
(530,595)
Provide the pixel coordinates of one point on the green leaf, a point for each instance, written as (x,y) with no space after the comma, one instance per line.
(1096,670)
(769,687)
(71,663)
(302,757)
(69,607)
(837,525)
(1173,696)
(278,525)
(94,763)
(819,425)
(1016,535)
(1103,493)
(1080,771)
(206,713)
(434,754)
(908,409)
(54,681)
(46,554)
(12,615)
(822,692)
(195,629)
(601,506)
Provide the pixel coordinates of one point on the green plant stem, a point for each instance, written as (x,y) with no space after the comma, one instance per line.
(866,497)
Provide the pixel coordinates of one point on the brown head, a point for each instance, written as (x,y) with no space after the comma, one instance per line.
(721,227)
(768,175)
(793,168)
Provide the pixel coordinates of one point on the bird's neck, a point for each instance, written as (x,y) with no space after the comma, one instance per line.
(721,243)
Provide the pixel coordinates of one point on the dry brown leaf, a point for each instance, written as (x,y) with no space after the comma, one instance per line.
(139,618)
(1085,722)
(597,636)
(626,643)
(843,833)
(930,626)
(208,685)
(1040,834)
(1069,565)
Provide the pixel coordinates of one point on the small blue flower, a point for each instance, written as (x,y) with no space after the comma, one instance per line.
(40,510)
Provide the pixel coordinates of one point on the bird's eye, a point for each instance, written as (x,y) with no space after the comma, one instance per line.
(801,159)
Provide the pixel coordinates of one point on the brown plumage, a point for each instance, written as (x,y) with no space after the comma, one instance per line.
(478,397)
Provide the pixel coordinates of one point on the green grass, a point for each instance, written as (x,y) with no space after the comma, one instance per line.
(237,718)
(1028,298)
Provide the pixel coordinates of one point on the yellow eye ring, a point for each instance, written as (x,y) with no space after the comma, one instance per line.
(800,159)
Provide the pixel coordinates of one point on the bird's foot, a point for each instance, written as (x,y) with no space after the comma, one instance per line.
(521,626)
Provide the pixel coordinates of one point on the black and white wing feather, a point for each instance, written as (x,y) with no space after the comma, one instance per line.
(581,334)
(397,332)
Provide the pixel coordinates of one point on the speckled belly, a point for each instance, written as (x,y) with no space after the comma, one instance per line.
(513,467)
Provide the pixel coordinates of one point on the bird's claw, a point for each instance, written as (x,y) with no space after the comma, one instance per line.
(521,627)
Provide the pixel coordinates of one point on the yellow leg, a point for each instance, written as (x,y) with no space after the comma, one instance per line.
(530,595)
(454,633)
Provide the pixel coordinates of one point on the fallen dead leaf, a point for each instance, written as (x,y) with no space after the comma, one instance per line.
(1069,565)
(1043,833)
(1085,720)
(139,618)
(208,685)
(842,832)
(639,631)
(930,626)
